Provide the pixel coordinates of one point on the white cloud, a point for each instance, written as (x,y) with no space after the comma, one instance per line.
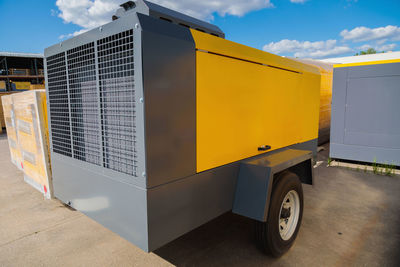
(298,1)
(87,13)
(302,49)
(204,9)
(92,13)
(362,34)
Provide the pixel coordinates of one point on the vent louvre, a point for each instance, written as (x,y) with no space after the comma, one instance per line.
(59,107)
(105,136)
(117,91)
(83,103)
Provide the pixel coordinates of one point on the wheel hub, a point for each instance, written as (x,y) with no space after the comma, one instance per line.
(285,213)
(289,215)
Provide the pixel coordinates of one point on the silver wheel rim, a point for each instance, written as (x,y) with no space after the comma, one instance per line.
(289,215)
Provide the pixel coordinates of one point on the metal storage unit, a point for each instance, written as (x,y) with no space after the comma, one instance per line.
(365,112)
(152,116)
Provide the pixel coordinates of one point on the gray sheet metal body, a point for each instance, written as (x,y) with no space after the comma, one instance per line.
(365,114)
(256,176)
(166,198)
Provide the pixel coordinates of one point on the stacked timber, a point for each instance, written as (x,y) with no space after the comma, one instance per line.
(28,137)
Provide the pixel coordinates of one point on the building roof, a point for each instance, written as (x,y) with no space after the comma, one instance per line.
(363,58)
(24,55)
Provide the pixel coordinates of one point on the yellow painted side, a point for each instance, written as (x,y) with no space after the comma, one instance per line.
(367,63)
(325,98)
(242,106)
(326,71)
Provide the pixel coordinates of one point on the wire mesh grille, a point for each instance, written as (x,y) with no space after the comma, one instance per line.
(117,92)
(96,114)
(58,101)
(84,103)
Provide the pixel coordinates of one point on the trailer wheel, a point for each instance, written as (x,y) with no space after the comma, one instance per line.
(277,234)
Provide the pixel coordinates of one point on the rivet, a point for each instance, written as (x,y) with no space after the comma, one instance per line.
(101,28)
(141,100)
(137,25)
(144,174)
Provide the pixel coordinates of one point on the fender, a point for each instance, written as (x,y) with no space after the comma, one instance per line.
(256,178)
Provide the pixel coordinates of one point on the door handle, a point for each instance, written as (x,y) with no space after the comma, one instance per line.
(264,148)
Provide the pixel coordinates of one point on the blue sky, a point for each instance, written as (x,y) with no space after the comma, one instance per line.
(311,28)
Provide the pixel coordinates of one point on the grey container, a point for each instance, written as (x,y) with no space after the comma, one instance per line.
(365,122)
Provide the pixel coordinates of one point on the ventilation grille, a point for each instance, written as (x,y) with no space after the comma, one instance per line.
(118,102)
(84,103)
(59,106)
(101,105)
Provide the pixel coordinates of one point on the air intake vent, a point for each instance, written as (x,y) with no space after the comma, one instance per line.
(92,103)
(59,104)
(117,92)
(84,103)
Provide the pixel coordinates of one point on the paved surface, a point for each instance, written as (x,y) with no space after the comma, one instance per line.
(351,219)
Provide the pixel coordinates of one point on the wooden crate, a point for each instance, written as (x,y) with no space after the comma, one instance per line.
(8,109)
(2,119)
(31,121)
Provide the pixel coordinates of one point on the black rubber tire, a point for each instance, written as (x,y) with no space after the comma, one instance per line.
(267,233)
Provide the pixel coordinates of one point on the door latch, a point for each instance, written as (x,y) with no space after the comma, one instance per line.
(264,148)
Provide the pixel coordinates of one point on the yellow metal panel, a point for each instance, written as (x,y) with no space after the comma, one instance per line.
(221,46)
(366,63)
(325,98)
(243,105)
(326,71)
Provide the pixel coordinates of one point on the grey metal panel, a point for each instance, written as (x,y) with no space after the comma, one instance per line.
(365,112)
(338,105)
(311,145)
(253,191)
(378,70)
(118,206)
(371,111)
(365,153)
(169,78)
(254,186)
(181,206)
(114,199)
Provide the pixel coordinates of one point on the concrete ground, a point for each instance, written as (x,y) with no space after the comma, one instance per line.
(350,219)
